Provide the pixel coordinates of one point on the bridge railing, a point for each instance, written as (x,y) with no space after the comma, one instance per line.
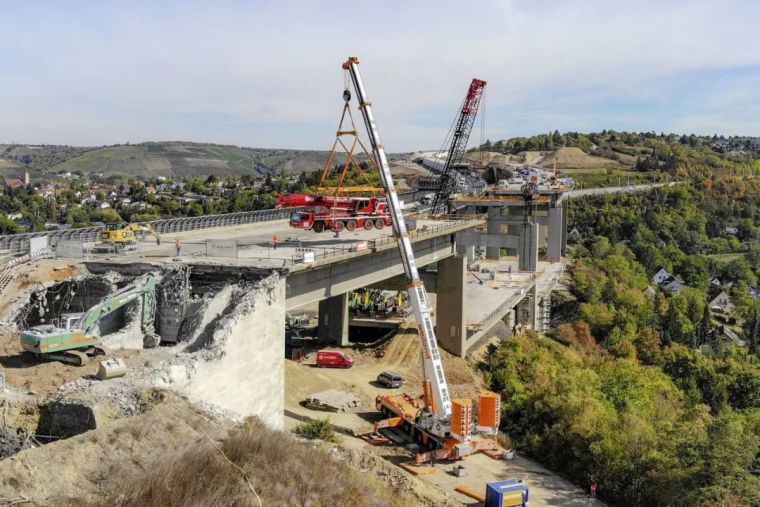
(332,254)
(18,243)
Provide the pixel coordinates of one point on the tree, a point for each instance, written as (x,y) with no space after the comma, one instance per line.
(752,327)
(704,330)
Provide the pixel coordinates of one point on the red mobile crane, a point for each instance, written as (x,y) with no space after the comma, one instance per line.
(329,208)
(447,181)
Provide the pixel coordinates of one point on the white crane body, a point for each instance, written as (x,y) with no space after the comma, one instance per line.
(439,404)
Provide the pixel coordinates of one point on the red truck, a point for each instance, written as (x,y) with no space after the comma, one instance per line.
(334,359)
(337,213)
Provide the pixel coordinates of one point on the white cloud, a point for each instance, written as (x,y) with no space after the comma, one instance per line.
(100,73)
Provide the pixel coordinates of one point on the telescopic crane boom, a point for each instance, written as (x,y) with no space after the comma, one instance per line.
(465,121)
(436,389)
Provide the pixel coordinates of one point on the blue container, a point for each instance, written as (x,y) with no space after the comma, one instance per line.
(495,492)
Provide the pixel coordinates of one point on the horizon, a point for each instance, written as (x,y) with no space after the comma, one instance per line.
(83,75)
(422,150)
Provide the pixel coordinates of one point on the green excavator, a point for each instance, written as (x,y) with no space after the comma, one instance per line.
(74,337)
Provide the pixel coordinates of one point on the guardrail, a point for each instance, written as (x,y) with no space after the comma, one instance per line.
(16,243)
(335,253)
(9,271)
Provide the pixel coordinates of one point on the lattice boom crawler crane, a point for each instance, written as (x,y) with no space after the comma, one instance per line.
(443,425)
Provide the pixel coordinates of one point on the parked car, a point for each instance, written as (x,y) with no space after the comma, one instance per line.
(390,379)
(334,359)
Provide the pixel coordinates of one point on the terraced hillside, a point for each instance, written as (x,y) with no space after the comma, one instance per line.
(190,159)
(175,159)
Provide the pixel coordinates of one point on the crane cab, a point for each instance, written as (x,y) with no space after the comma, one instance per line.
(68,321)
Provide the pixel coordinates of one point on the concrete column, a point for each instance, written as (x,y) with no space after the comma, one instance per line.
(531,303)
(451,328)
(556,236)
(511,319)
(528,310)
(565,210)
(466,251)
(493,226)
(527,251)
(333,321)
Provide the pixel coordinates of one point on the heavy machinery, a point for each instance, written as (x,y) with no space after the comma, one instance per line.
(337,214)
(449,175)
(74,337)
(443,425)
(330,208)
(121,235)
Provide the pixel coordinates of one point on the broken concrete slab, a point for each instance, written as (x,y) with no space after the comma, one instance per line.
(111,368)
(333,400)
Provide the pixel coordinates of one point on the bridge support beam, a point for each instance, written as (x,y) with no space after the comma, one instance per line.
(333,321)
(451,328)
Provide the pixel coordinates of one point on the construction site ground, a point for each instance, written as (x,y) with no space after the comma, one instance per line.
(401,354)
(137,426)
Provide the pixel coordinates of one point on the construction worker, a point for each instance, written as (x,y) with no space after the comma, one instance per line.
(178,246)
(594,485)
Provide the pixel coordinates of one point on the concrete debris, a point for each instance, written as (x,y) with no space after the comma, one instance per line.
(13,442)
(240,366)
(111,368)
(333,400)
(231,362)
(129,337)
(199,332)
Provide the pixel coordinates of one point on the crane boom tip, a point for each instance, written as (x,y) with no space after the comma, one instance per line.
(351,59)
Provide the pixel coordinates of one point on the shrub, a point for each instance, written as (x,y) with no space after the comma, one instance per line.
(317,430)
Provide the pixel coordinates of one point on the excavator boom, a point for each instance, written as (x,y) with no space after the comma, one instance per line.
(79,338)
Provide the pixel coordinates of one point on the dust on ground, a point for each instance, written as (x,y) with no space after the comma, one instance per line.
(78,469)
(24,371)
(402,354)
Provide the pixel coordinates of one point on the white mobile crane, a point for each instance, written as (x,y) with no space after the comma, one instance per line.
(441,424)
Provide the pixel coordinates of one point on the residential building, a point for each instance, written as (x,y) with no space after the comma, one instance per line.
(722,303)
(661,276)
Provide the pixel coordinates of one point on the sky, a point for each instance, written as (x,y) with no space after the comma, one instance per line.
(267,73)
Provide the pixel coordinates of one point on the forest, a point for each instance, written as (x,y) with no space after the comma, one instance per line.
(635,387)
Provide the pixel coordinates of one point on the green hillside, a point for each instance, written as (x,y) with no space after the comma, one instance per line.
(171,159)
(607,157)
(178,159)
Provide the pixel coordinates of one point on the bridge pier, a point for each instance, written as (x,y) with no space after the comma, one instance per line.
(527,250)
(451,328)
(493,226)
(557,233)
(333,321)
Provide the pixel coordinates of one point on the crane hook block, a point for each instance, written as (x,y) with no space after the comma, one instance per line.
(346,95)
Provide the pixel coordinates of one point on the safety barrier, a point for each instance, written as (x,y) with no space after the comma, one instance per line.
(336,253)
(9,271)
(16,243)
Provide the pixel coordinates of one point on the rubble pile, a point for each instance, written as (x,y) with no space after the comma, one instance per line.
(333,400)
